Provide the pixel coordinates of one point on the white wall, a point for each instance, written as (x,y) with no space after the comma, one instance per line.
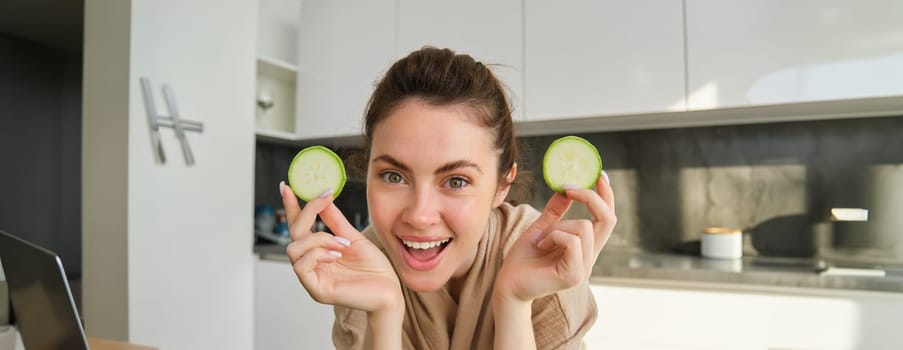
(168,247)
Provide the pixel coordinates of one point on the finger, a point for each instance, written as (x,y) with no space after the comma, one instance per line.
(297,249)
(585,231)
(604,217)
(555,209)
(603,187)
(593,201)
(571,267)
(308,216)
(338,223)
(305,269)
(289,202)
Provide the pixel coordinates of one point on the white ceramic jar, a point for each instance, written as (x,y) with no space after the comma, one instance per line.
(722,243)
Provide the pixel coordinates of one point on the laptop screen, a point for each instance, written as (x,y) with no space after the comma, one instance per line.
(42,302)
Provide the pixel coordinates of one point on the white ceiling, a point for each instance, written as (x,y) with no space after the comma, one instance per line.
(56,23)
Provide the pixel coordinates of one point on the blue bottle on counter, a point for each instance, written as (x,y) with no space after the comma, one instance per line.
(264,218)
(281,227)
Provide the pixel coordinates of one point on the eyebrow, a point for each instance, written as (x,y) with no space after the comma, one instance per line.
(442,169)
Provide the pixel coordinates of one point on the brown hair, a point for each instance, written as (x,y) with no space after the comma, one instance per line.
(441,77)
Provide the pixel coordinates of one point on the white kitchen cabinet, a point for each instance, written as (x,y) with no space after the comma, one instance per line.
(490,31)
(277,52)
(166,250)
(277,30)
(344,47)
(274,115)
(700,317)
(285,315)
(596,58)
(760,52)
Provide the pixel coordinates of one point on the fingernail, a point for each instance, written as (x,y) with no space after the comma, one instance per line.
(281,187)
(342,240)
(325,194)
(605,175)
(568,187)
(335,253)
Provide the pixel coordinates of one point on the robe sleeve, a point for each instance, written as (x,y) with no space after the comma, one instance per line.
(561,320)
(349,329)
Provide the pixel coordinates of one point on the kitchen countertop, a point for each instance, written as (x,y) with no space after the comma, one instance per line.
(752,271)
(274,252)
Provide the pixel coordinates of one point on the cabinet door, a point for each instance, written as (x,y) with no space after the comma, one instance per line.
(285,315)
(277,54)
(277,30)
(759,52)
(594,58)
(344,47)
(680,317)
(490,31)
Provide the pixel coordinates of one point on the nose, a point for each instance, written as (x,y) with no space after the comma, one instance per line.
(423,209)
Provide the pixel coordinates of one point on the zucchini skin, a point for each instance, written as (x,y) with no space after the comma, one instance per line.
(546,167)
(318,148)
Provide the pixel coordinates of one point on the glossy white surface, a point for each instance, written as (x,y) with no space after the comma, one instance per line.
(277,56)
(285,315)
(597,58)
(343,49)
(277,30)
(754,52)
(490,31)
(633,317)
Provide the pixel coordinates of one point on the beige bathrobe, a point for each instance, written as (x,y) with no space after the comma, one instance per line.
(434,320)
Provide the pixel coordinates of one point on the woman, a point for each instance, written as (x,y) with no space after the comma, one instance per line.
(447,263)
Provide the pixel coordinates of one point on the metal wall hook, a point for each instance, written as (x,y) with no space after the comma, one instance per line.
(172,121)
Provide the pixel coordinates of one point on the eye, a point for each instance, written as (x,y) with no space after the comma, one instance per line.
(457,182)
(392,177)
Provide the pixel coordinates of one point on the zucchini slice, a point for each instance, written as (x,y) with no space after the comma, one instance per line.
(314,170)
(571,160)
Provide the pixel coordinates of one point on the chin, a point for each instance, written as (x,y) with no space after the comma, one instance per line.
(427,281)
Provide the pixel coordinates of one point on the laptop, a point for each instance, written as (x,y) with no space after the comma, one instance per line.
(42,301)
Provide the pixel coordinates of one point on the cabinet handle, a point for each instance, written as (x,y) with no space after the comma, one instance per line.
(173,121)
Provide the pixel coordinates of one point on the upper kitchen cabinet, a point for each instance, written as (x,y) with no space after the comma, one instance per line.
(277,46)
(597,58)
(764,52)
(274,115)
(277,30)
(490,31)
(343,49)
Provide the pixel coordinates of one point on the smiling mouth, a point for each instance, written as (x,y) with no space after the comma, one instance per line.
(424,245)
(420,255)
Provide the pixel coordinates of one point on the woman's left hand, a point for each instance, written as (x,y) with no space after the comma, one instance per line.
(554,254)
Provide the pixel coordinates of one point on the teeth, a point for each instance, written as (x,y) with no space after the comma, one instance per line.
(424,245)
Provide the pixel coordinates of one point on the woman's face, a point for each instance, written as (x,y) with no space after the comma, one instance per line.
(431,184)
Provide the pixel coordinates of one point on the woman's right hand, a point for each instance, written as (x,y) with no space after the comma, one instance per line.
(346,269)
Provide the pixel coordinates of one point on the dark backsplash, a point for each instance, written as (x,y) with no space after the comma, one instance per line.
(777,181)
(271,166)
